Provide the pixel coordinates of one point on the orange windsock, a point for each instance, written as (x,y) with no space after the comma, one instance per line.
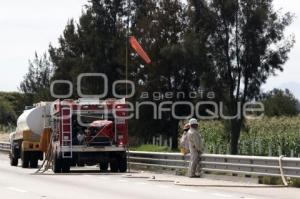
(139,50)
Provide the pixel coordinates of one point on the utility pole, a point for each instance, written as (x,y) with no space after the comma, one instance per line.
(127,44)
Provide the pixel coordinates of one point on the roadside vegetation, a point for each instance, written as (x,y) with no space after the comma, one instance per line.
(268,136)
(151,148)
(5,131)
(4,136)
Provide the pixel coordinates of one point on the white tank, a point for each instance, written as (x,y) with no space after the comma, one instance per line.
(35,120)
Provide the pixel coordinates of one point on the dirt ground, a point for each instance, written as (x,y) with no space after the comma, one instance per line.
(4,137)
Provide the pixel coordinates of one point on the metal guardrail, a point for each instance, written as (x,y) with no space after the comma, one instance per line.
(235,164)
(4,146)
(248,165)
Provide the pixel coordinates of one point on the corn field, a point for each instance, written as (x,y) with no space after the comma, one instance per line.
(266,137)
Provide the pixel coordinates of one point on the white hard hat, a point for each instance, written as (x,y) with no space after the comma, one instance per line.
(193,121)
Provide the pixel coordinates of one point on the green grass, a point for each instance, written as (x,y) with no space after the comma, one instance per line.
(151,148)
(267,180)
(294,182)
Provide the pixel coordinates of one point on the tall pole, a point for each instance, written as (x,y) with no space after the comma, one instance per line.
(126,66)
(127,45)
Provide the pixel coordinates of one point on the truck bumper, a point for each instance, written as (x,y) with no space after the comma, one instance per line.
(30,146)
(92,149)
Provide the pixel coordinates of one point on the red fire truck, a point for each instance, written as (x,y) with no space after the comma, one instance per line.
(89,132)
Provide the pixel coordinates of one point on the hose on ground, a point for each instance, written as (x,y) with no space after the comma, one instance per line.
(47,162)
(281,171)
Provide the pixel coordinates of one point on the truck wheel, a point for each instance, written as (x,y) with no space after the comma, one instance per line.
(113,165)
(13,161)
(65,167)
(56,164)
(122,164)
(33,163)
(13,156)
(80,164)
(103,166)
(25,159)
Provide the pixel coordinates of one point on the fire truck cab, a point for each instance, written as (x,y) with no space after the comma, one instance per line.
(89,132)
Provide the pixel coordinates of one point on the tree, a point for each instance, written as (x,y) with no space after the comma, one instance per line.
(280,103)
(246,44)
(17,100)
(96,44)
(36,83)
(162,27)
(7,114)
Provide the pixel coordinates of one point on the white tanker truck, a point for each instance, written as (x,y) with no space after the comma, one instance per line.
(25,141)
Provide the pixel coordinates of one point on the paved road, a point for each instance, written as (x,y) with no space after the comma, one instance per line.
(16,183)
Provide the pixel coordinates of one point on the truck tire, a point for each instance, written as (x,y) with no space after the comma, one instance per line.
(65,167)
(104,166)
(13,156)
(13,161)
(56,164)
(80,164)
(122,163)
(34,163)
(25,159)
(114,165)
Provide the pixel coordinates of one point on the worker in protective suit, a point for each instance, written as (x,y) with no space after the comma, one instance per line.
(184,142)
(195,146)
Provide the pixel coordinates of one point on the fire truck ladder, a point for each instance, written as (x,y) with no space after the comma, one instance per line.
(66,138)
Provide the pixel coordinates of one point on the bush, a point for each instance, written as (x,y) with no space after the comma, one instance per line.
(7,114)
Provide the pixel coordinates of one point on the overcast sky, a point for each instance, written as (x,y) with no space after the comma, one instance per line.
(29,26)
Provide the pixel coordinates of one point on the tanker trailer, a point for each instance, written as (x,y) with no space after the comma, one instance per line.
(25,142)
